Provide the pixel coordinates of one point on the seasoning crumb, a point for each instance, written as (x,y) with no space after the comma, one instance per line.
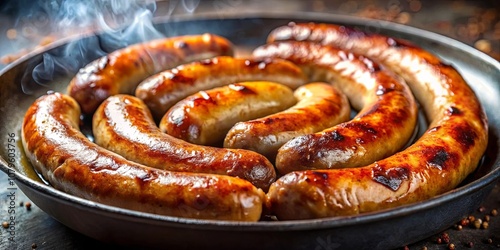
(424,248)
(481,209)
(494,212)
(446,238)
(5,224)
(484,225)
(471,218)
(406,248)
(486,218)
(489,241)
(28,205)
(477,223)
(403,18)
(21,203)
(451,246)
(484,46)
(33,246)
(464,222)
(458,227)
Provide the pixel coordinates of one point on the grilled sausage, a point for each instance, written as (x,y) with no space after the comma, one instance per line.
(206,117)
(319,106)
(71,163)
(387,110)
(122,70)
(163,90)
(449,150)
(124,125)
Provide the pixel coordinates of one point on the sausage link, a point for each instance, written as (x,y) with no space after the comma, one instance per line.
(319,106)
(71,163)
(122,70)
(206,117)
(440,160)
(163,90)
(387,110)
(124,125)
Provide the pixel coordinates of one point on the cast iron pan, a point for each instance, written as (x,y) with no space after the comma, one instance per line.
(380,230)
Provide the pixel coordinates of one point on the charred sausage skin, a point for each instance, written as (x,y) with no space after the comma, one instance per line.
(161,91)
(319,106)
(387,109)
(70,162)
(122,70)
(124,125)
(449,150)
(205,117)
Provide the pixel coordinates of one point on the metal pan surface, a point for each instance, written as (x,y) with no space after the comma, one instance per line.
(380,230)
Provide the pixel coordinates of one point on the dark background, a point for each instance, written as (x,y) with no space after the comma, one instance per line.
(27,26)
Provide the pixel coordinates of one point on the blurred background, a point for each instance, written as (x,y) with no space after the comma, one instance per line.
(29,25)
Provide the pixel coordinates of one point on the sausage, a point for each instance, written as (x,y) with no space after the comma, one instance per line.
(124,125)
(387,109)
(319,106)
(71,163)
(205,117)
(122,70)
(163,90)
(443,156)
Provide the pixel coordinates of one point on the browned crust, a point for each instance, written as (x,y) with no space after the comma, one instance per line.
(320,105)
(122,70)
(163,90)
(387,109)
(123,124)
(450,149)
(73,164)
(205,118)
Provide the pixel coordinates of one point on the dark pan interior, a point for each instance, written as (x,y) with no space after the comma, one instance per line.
(408,224)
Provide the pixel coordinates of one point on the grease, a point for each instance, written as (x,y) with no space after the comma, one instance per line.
(242,89)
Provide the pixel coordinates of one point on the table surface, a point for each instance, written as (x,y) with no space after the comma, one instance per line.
(35,229)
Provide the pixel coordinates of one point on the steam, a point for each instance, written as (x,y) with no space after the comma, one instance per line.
(105,25)
(190,5)
(116,23)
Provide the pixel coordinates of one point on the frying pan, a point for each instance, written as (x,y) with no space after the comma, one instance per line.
(385,229)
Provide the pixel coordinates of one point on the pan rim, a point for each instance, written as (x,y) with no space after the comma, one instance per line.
(313,224)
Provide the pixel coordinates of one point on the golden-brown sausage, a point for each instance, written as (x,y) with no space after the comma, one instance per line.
(449,150)
(387,109)
(124,125)
(319,106)
(163,90)
(71,163)
(122,70)
(206,117)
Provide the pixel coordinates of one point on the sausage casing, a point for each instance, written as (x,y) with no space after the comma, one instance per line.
(205,117)
(387,109)
(163,90)
(72,163)
(319,106)
(122,70)
(124,125)
(448,151)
